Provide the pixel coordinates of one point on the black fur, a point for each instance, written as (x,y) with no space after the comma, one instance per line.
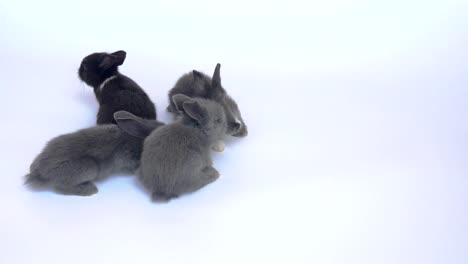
(119,93)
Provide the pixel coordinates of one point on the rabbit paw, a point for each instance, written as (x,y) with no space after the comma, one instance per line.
(83,189)
(218,146)
(211,172)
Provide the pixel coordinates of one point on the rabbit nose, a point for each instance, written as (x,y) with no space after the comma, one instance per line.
(237,125)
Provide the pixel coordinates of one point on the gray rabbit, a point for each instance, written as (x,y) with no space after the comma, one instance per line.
(176,158)
(199,85)
(71,162)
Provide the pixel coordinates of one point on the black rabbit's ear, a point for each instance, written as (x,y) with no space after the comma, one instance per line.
(114,59)
(106,62)
(197,74)
(134,125)
(195,111)
(179,100)
(119,57)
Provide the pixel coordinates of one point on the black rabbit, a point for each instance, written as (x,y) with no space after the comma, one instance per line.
(114,91)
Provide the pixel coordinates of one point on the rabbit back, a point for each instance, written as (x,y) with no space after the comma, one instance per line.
(170,155)
(122,93)
(107,146)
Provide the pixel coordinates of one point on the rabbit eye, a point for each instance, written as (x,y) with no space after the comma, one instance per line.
(219,120)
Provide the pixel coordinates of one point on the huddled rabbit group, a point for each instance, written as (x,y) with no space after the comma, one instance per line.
(169,159)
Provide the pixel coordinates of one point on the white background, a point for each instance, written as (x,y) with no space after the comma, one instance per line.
(357,112)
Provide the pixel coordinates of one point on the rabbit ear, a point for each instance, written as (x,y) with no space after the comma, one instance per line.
(197,74)
(216,80)
(134,125)
(114,59)
(119,57)
(194,110)
(179,100)
(217,91)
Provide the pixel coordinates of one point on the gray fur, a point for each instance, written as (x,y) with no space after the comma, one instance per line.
(199,85)
(70,163)
(176,158)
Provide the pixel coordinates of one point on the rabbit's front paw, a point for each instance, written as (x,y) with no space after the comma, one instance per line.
(218,146)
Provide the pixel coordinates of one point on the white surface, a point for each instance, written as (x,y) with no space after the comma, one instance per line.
(357,112)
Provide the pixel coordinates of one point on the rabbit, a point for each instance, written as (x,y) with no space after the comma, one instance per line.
(176,158)
(114,91)
(199,85)
(71,162)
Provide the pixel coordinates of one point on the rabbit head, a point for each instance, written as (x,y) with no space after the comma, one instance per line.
(206,115)
(97,67)
(216,92)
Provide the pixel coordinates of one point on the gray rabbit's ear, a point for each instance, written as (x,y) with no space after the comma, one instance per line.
(197,74)
(216,80)
(179,100)
(217,91)
(114,59)
(194,110)
(134,125)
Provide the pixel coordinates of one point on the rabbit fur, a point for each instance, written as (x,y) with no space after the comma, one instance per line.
(199,85)
(176,158)
(70,163)
(114,91)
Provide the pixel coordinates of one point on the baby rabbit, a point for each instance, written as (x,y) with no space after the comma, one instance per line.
(71,162)
(198,85)
(176,158)
(114,91)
